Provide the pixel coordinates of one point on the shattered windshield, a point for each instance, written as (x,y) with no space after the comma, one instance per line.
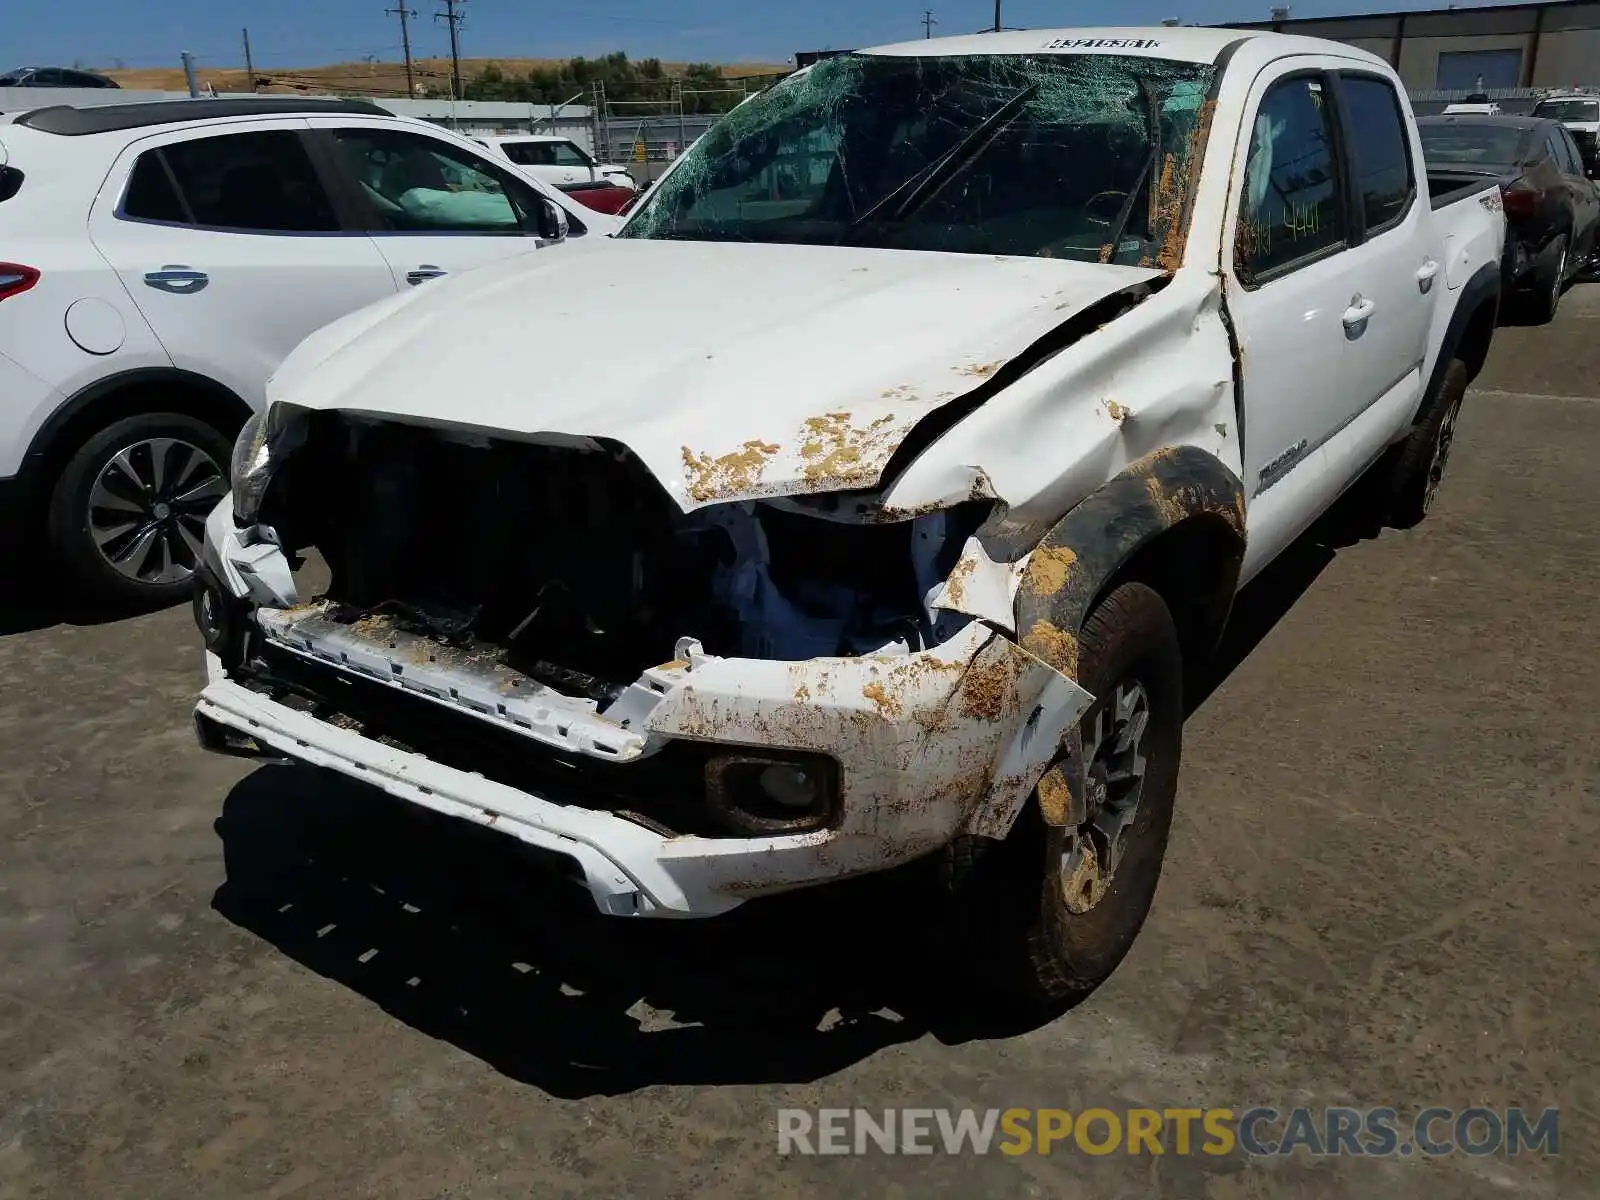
(1055,156)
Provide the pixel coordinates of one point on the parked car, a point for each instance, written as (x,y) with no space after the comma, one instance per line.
(605,198)
(56,77)
(927,490)
(162,259)
(1476,104)
(1552,207)
(1580,113)
(558,161)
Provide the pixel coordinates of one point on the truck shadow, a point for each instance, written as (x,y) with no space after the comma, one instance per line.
(450,928)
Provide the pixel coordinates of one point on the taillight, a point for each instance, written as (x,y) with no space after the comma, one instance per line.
(15,278)
(1520,201)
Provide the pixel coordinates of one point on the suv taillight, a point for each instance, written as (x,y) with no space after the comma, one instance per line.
(15,278)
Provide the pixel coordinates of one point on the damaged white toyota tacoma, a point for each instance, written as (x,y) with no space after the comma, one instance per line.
(964,384)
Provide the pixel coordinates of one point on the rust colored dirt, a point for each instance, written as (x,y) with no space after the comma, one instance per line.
(1056,646)
(730,475)
(1050,568)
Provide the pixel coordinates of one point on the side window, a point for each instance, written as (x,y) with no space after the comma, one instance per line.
(1561,152)
(1382,155)
(247,182)
(568,155)
(151,194)
(1290,209)
(415,184)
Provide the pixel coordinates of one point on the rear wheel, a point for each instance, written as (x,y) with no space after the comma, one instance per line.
(127,515)
(1426,451)
(1547,294)
(1046,915)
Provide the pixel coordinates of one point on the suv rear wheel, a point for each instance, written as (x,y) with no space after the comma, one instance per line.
(127,515)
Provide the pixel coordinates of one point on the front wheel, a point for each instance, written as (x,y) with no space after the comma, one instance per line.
(1048,914)
(127,515)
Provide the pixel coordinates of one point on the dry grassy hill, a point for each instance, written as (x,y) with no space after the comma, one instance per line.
(377,78)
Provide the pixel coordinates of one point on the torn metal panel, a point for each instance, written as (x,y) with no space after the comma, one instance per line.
(1159,375)
(926,743)
(979,586)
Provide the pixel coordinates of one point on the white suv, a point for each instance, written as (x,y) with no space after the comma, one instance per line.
(558,161)
(162,260)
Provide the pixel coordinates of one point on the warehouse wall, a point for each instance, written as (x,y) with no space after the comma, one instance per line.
(1538,45)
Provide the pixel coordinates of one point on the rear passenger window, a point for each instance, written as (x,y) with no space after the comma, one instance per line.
(251,182)
(1290,210)
(1382,155)
(151,196)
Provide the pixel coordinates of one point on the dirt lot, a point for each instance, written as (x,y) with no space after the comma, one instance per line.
(232,982)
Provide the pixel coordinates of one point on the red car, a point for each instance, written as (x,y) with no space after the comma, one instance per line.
(603,197)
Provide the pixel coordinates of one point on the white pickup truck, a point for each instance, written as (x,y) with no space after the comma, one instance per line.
(970,380)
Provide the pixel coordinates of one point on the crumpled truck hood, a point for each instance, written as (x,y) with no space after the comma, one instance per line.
(732,370)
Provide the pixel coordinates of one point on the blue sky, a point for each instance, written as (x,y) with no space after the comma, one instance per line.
(288,33)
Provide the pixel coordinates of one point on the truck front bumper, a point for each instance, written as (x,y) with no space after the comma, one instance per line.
(928,744)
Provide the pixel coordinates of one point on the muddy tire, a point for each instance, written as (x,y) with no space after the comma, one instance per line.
(1035,934)
(1426,451)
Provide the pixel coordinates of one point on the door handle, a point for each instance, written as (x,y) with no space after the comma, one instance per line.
(1355,317)
(177,279)
(1426,273)
(423,273)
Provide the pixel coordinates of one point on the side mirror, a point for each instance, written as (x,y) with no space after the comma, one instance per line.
(552,220)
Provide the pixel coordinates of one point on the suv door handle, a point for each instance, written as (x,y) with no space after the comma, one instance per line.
(177,279)
(1355,317)
(423,273)
(1426,273)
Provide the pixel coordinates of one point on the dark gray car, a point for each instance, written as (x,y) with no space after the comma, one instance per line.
(1552,205)
(55,77)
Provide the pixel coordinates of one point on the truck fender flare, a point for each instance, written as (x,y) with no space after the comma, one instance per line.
(1087,549)
(1484,284)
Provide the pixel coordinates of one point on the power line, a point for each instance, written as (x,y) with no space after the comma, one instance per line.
(928,22)
(403,12)
(453,19)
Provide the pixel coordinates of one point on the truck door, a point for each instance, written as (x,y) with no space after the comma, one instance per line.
(1292,284)
(1396,272)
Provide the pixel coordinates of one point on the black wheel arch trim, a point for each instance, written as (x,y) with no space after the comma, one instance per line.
(1487,283)
(1089,547)
(45,440)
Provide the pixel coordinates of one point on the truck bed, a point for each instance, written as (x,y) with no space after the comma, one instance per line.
(1446,187)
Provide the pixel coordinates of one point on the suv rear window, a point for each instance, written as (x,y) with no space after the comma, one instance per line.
(251,182)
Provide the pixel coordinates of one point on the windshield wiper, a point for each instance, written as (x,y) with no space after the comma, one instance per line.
(928,182)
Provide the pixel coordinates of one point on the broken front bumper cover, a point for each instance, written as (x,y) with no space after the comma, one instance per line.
(929,744)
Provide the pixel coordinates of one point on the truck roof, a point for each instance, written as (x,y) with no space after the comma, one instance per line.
(1183,43)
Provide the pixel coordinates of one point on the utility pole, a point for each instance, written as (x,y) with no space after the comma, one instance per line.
(405,42)
(997,16)
(249,67)
(453,19)
(188,74)
(404,13)
(928,22)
